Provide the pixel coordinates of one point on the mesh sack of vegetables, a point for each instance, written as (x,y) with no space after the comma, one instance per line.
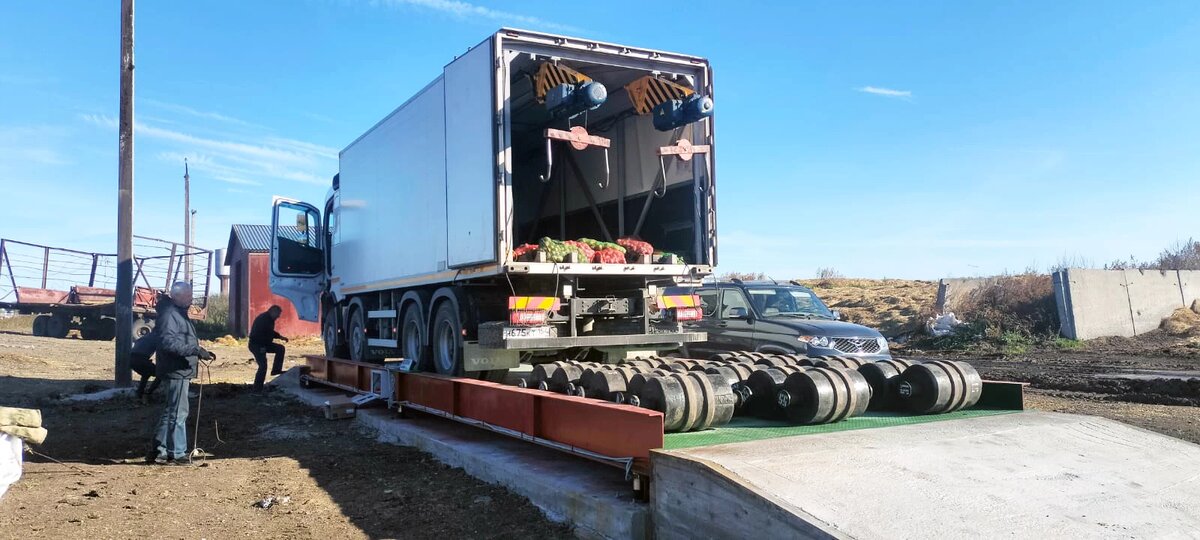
(598,245)
(636,246)
(583,248)
(522,250)
(609,256)
(659,255)
(557,251)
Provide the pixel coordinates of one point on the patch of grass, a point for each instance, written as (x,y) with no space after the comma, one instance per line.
(1015,343)
(216,319)
(1065,344)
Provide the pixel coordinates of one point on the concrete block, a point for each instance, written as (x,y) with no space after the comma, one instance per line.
(1153,296)
(1189,286)
(952,291)
(1099,303)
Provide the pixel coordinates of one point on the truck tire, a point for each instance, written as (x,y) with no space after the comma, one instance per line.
(39,325)
(141,327)
(412,337)
(356,337)
(335,342)
(447,340)
(58,326)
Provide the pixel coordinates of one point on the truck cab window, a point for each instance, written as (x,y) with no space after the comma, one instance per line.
(299,240)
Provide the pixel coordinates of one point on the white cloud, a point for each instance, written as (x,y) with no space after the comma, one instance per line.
(267,160)
(173,107)
(886,92)
(468,11)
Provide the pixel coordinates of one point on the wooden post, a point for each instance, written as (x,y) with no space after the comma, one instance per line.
(124,300)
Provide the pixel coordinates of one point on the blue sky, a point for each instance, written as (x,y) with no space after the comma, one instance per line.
(884,139)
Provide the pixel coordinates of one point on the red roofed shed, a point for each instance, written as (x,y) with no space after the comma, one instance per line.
(249,261)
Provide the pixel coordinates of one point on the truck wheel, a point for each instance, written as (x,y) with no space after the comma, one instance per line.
(412,338)
(357,337)
(335,345)
(141,327)
(108,329)
(39,325)
(447,340)
(89,329)
(58,326)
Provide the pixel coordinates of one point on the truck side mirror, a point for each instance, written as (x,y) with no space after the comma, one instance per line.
(737,313)
(837,315)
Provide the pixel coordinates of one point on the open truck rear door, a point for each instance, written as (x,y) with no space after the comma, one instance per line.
(298,256)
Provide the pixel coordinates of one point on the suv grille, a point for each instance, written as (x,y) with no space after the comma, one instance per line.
(856,345)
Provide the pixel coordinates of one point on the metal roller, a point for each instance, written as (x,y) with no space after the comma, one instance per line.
(636,382)
(706,401)
(665,395)
(693,398)
(924,388)
(758,392)
(883,376)
(563,378)
(808,397)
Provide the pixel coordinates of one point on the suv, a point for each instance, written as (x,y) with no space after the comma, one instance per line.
(778,318)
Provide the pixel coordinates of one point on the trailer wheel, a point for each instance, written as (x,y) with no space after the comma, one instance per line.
(412,337)
(447,340)
(39,325)
(357,337)
(58,326)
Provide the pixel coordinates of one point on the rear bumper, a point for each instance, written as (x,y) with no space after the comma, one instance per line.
(656,341)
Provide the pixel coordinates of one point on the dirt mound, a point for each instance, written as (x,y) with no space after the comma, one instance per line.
(895,307)
(1184,321)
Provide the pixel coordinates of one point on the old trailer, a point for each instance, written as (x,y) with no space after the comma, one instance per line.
(543,197)
(69,289)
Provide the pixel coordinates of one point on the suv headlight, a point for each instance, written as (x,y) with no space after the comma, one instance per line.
(883,346)
(815,341)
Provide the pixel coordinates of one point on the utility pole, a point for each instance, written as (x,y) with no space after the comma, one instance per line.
(191,242)
(124,300)
(188,216)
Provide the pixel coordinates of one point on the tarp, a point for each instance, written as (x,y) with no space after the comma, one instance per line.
(10,461)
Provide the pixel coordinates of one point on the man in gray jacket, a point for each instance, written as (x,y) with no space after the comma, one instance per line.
(178,352)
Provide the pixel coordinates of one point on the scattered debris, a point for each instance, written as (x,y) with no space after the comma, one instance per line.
(271,500)
(942,324)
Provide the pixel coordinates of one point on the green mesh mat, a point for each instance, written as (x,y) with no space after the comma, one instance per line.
(743,429)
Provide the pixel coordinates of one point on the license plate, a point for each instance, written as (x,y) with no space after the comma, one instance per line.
(519,332)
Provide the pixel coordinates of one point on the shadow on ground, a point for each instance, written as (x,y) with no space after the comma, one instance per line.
(382,490)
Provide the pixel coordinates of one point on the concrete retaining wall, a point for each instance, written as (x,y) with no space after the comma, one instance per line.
(951,291)
(1098,303)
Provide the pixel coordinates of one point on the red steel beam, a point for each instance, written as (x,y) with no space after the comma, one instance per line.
(599,427)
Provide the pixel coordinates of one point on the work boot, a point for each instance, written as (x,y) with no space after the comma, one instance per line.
(154,458)
(185,461)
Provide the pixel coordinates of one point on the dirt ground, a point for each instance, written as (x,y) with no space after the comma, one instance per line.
(1151,381)
(337,481)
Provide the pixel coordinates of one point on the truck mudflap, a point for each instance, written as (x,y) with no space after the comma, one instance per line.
(545,337)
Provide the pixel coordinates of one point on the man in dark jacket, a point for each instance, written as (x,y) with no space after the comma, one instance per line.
(262,341)
(178,352)
(139,361)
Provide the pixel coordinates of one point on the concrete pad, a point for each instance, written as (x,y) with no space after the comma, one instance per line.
(1026,475)
(593,498)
